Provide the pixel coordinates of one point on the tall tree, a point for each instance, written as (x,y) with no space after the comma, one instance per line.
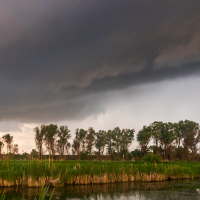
(8,140)
(167,137)
(191,136)
(109,139)
(100,141)
(179,130)
(39,139)
(117,138)
(90,140)
(75,147)
(155,133)
(15,149)
(1,146)
(50,138)
(67,147)
(80,138)
(143,137)
(63,136)
(127,138)
(34,153)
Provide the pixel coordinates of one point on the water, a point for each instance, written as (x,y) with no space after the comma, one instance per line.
(167,190)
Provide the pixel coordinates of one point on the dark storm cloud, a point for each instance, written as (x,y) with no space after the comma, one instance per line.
(55,55)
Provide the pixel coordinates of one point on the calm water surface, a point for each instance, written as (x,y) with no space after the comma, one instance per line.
(169,190)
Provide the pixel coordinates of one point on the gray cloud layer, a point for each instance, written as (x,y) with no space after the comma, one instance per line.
(55,55)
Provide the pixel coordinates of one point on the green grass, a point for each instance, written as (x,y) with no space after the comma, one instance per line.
(13,169)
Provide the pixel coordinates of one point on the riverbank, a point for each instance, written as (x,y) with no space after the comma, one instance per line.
(62,173)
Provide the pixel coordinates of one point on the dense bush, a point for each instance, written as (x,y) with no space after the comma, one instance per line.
(151,158)
(136,153)
(83,155)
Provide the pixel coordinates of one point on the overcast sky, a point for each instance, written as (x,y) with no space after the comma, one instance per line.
(97,64)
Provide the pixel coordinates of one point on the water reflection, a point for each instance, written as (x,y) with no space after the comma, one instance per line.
(184,190)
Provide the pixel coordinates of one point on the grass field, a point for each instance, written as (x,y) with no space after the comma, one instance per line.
(59,173)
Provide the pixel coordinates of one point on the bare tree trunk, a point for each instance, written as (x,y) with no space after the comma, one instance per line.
(40,153)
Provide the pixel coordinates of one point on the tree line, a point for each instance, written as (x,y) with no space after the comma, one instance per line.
(168,140)
(56,140)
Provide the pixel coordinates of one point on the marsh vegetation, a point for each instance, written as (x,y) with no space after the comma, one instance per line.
(62,173)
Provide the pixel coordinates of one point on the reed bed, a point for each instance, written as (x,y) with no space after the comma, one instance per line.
(60,173)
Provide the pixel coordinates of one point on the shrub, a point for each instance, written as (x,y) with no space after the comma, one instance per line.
(136,153)
(151,158)
(128,156)
(83,155)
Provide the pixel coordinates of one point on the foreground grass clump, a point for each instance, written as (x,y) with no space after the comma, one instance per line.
(61,173)
(41,196)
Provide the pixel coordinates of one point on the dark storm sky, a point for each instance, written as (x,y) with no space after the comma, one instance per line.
(55,56)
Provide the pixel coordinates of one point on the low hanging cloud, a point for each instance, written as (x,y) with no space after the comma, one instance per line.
(59,58)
